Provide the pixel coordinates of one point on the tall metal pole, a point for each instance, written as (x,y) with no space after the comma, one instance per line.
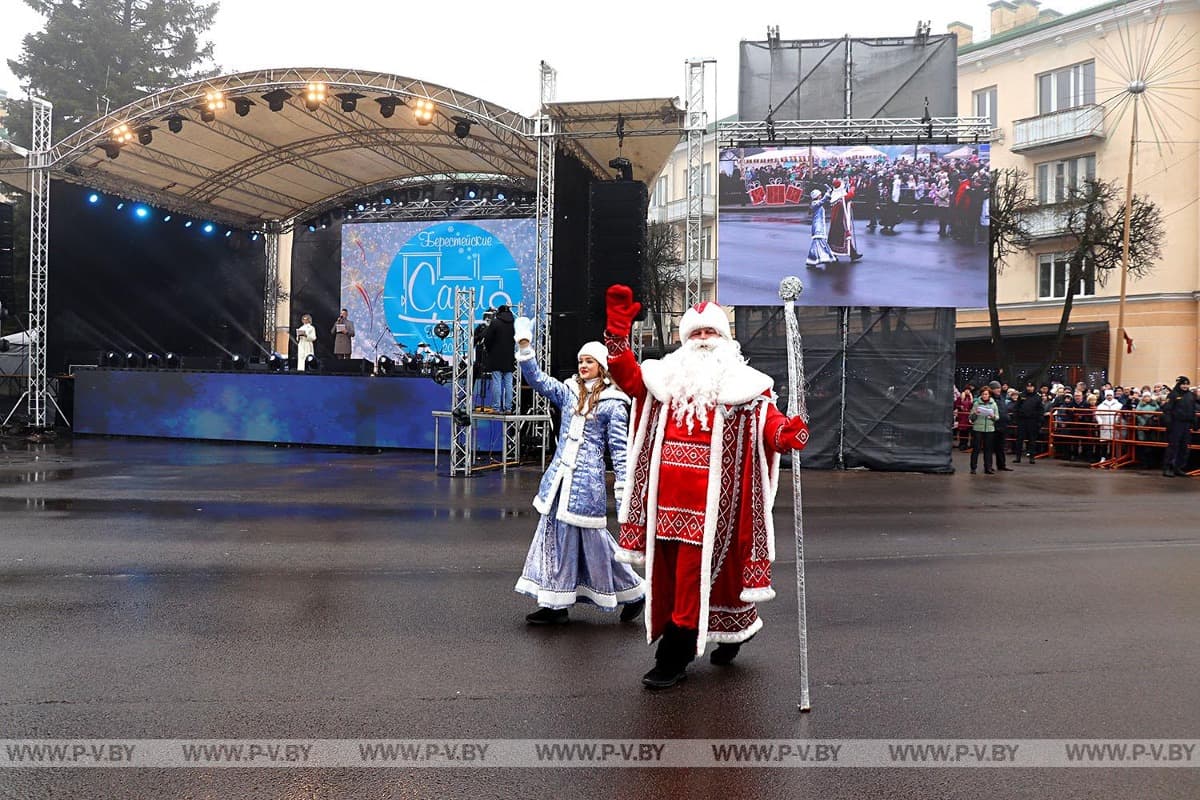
(39,258)
(1136,88)
(543,269)
(693,269)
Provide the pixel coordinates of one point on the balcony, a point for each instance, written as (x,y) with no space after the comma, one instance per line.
(676,210)
(1061,127)
(1047,222)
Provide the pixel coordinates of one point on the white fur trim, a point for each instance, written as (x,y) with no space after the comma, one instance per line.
(741,385)
(634,557)
(760,595)
(768,464)
(597,351)
(579,520)
(737,636)
(704,315)
(550,599)
(526,355)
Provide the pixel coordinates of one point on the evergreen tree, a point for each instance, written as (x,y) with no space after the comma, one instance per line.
(94,56)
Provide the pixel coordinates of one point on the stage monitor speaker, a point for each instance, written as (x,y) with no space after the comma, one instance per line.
(8,272)
(616,243)
(346,366)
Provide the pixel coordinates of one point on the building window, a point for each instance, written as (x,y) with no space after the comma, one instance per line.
(706,180)
(1069,87)
(706,243)
(984,102)
(1057,179)
(1052,277)
(660,192)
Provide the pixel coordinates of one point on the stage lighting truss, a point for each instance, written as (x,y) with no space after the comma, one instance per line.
(314,95)
(423,111)
(901,130)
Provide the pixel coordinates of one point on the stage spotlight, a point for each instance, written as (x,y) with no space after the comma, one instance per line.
(214,100)
(145,134)
(237,363)
(166,218)
(242,105)
(500,197)
(206,115)
(120,206)
(208,227)
(361,207)
(462,127)
(110,359)
(423,111)
(314,95)
(275,99)
(385,366)
(132,360)
(441,330)
(172,361)
(122,134)
(472,193)
(387,201)
(175,123)
(387,105)
(349,100)
(141,212)
(623,167)
(312,364)
(326,221)
(187,224)
(153,361)
(111,149)
(93,198)
(275,362)
(312,228)
(228,234)
(254,237)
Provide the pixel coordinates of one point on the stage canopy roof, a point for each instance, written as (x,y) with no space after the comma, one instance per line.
(271,153)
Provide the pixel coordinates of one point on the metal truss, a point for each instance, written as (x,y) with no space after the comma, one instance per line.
(343,199)
(37,393)
(543,269)
(693,270)
(444,209)
(271,290)
(896,130)
(462,372)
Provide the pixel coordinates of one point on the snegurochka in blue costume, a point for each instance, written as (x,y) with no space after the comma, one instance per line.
(572,557)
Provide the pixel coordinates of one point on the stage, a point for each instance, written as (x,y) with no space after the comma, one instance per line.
(272,407)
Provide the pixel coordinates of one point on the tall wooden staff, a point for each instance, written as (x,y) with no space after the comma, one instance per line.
(789,290)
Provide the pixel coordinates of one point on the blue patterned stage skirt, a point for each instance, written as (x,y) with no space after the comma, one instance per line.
(567,564)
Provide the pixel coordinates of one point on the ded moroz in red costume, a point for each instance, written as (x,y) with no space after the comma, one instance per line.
(702,478)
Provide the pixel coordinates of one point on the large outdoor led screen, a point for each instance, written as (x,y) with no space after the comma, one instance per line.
(869,225)
(399,278)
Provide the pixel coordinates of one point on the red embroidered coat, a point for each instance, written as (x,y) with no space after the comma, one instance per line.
(713,489)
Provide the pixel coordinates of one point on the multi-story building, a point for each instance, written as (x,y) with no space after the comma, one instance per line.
(1048,83)
(668,205)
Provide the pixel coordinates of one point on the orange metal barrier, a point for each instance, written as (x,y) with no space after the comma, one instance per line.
(1116,431)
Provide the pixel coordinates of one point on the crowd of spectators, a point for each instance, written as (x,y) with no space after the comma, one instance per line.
(1086,422)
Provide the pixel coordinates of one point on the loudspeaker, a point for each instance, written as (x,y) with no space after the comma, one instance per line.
(346,366)
(616,242)
(8,272)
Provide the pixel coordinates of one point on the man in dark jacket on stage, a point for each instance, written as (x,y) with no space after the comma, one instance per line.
(1179,415)
(1029,422)
(501,358)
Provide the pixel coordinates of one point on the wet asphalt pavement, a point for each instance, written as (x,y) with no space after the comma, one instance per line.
(189,590)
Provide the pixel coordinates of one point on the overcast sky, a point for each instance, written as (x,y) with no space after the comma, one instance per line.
(612,49)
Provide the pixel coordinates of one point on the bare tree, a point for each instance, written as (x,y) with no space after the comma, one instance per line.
(663,274)
(1009,206)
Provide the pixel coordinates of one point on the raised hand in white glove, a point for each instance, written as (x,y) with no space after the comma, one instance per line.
(523,331)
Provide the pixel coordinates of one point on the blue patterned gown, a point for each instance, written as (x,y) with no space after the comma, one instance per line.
(819,252)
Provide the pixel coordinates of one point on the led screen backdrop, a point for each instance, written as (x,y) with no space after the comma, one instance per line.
(869,225)
(399,278)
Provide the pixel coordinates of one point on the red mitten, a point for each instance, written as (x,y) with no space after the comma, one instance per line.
(622,309)
(794,433)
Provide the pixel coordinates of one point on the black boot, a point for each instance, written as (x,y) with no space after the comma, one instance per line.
(548,616)
(633,610)
(675,651)
(725,654)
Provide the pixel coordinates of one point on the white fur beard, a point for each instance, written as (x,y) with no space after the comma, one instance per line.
(696,372)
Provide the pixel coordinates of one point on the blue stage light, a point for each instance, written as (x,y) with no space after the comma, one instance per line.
(141,212)
(312,228)
(387,201)
(120,206)
(228,234)
(499,195)
(254,237)
(93,198)
(208,227)
(166,218)
(187,224)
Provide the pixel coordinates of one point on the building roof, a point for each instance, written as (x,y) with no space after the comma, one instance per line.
(1037,25)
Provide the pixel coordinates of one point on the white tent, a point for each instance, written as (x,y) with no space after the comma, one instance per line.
(786,154)
(862,151)
(963,152)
